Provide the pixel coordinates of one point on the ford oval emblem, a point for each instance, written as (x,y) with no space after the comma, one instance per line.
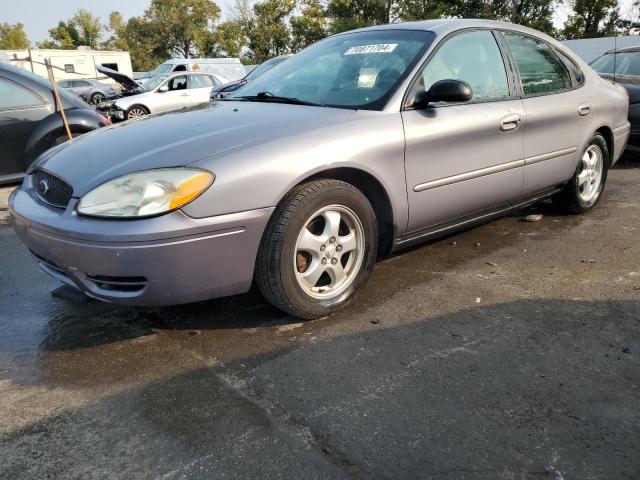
(43,187)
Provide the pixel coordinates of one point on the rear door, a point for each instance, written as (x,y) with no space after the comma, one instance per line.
(558,109)
(200,86)
(463,159)
(20,111)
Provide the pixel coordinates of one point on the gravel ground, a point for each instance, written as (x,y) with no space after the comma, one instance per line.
(509,351)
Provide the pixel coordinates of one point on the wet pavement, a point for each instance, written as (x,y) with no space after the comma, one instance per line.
(509,351)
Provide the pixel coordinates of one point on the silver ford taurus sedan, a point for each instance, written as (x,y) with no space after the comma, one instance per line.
(362,144)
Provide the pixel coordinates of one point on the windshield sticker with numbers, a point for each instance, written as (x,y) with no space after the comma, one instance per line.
(379,48)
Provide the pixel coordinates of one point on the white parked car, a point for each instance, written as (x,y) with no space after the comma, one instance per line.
(163,94)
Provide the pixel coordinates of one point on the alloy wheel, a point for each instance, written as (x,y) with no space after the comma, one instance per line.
(329,252)
(135,113)
(590,177)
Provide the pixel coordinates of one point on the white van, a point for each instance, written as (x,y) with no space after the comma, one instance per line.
(230,69)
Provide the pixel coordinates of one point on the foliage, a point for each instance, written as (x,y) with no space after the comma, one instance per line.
(180,26)
(349,14)
(12,37)
(88,27)
(268,32)
(592,18)
(310,26)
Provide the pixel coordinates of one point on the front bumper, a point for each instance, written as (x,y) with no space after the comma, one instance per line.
(166,260)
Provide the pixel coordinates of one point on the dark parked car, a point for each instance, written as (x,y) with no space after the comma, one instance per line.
(30,122)
(226,89)
(623,66)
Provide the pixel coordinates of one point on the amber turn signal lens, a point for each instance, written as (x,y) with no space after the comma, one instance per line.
(190,189)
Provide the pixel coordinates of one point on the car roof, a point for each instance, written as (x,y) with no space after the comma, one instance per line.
(623,50)
(448,25)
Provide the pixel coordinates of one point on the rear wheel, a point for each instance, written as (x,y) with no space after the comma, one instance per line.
(585,188)
(318,249)
(137,111)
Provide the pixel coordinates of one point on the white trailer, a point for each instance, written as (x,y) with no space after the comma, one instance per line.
(70,64)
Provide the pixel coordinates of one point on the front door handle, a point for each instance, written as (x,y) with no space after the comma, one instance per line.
(511,122)
(584,110)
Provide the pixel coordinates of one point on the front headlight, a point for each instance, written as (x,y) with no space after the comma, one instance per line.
(147,193)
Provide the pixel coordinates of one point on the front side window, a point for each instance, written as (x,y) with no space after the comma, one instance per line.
(177,83)
(14,96)
(473,57)
(541,71)
(352,70)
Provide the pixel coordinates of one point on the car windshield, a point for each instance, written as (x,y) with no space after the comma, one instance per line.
(624,63)
(160,69)
(154,82)
(354,70)
(263,68)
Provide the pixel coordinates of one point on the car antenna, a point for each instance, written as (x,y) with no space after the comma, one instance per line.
(615,57)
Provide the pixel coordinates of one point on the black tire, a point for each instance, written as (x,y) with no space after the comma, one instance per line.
(134,108)
(275,272)
(569,199)
(97,97)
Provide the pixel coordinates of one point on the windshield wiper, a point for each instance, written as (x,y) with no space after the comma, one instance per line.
(269,97)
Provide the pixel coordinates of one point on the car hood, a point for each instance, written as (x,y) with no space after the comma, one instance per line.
(179,138)
(121,78)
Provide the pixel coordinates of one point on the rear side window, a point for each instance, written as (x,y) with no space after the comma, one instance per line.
(574,70)
(201,81)
(541,70)
(14,96)
(473,57)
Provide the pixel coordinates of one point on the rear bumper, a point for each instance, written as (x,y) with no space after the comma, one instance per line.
(166,260)
(620,139)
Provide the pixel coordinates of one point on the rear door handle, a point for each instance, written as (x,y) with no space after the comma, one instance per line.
(510,122)
(584,110)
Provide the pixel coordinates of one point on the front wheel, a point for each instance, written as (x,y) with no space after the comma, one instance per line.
(318,249)
(585,188)
(137,111)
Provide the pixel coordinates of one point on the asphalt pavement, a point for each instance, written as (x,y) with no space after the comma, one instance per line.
(508,351)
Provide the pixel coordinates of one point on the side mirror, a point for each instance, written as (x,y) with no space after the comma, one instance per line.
(163,88)
(450,91)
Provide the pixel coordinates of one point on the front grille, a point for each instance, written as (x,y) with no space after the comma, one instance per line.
(51,189)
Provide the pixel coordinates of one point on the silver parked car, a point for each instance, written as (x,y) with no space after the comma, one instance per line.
(93,91)
(165,93)
(362,144)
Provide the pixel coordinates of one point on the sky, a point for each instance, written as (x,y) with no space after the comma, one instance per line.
(38,16)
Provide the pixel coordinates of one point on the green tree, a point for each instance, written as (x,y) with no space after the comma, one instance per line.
(349,14)
(146,52)
(12,37)
(592,18)
(64,36)
(88,28)
(268,32)
(310,26)
(536,14)
(229,39)
(118,28)
(180,26)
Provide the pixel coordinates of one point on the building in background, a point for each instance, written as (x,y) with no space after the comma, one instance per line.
(70,64)
(591,48)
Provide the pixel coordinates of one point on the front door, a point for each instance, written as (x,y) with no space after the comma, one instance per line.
(464,159)
(175,98)
(559,112)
